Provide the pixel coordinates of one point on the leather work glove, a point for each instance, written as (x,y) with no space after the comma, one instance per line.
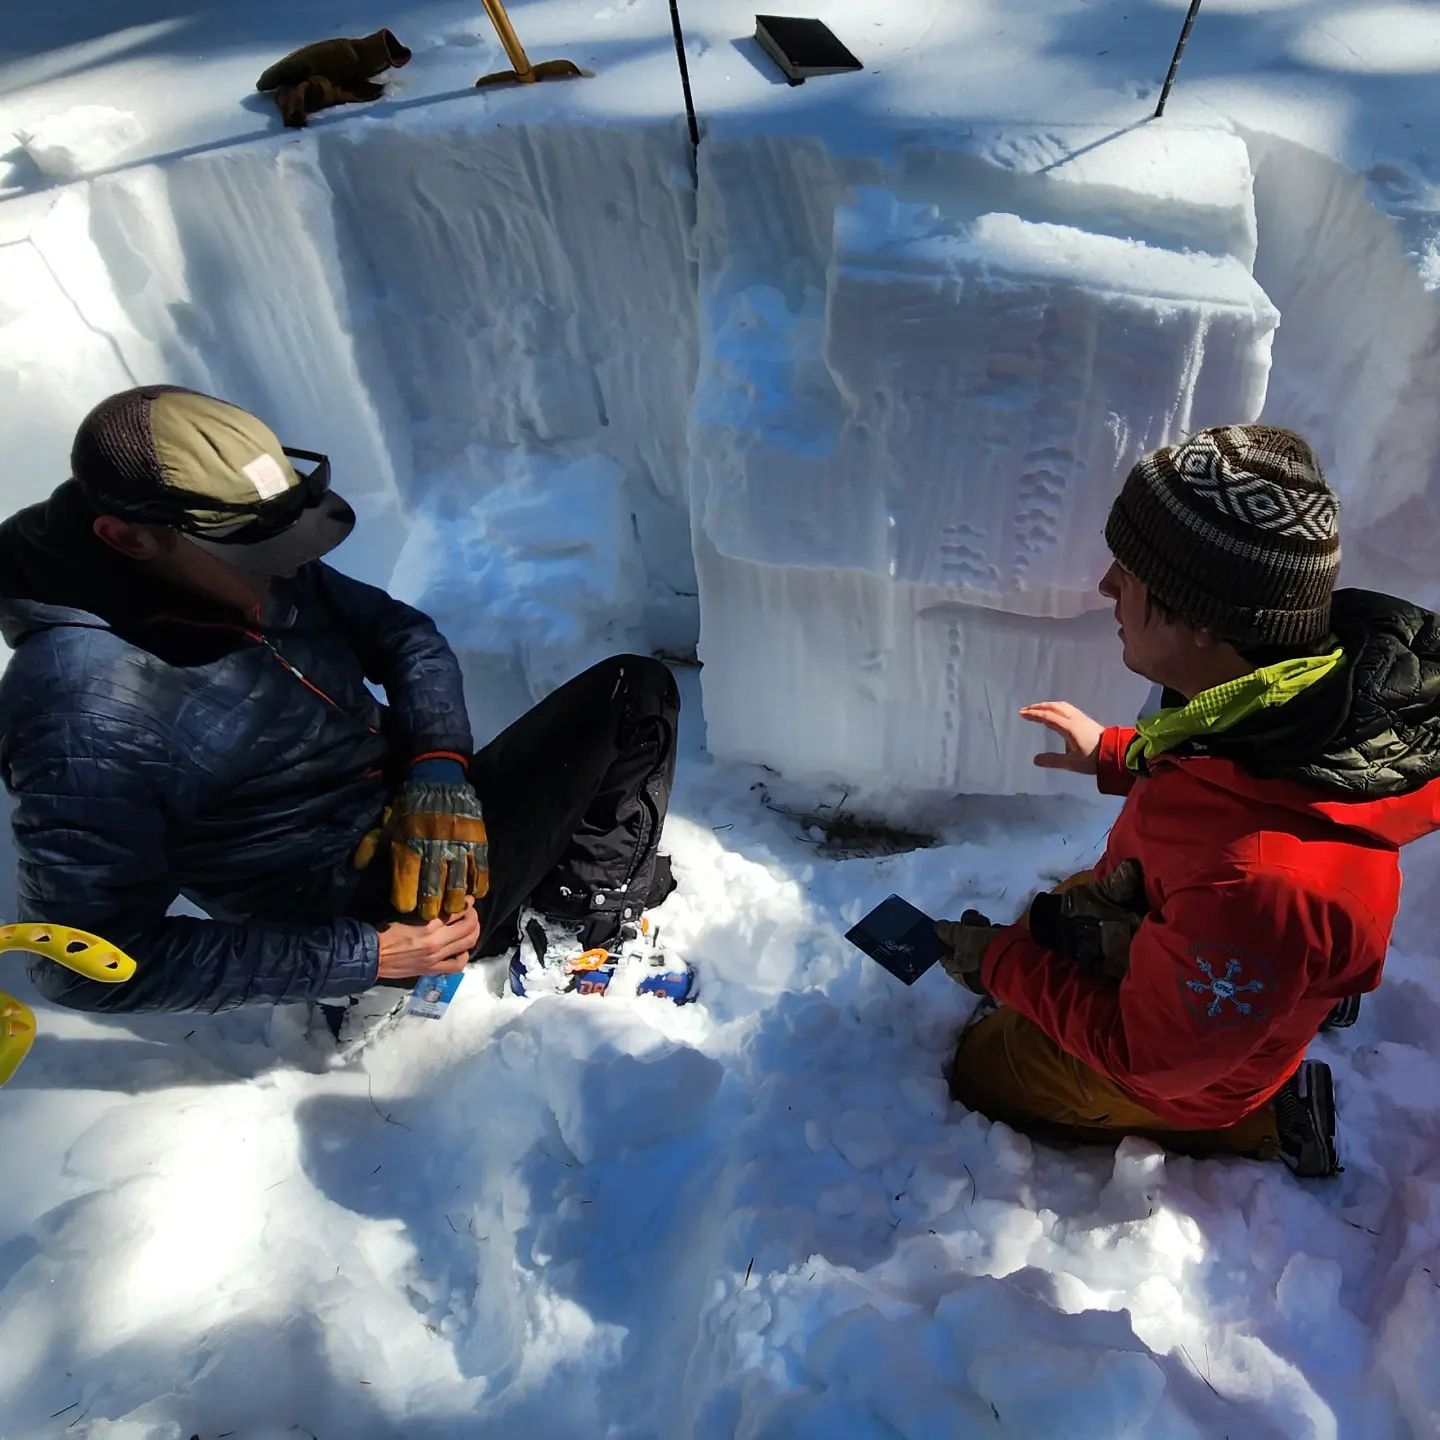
(331,72)
(296,103)
(439,852)
(1094,924)
(966,941)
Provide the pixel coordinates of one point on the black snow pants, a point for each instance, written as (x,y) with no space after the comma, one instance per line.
(574,794)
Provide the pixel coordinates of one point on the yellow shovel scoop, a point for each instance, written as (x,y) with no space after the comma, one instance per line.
(77,950)
(524,72)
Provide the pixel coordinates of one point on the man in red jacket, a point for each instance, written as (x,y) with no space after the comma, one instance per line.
(1250,882)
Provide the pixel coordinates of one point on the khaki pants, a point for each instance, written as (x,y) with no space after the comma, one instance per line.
(1008,1069)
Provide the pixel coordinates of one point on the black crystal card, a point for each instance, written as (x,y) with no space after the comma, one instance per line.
(899,937)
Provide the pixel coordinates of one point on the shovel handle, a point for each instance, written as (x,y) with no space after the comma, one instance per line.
(509,39)
(77,950)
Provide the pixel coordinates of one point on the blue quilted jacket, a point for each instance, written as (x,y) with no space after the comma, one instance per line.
(156,751)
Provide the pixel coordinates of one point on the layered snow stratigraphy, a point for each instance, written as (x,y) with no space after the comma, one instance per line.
(852,419)
(884,687)
(905,449)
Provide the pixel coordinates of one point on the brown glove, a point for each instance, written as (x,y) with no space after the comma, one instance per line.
(439,851)
(331,72)
(966,941)
(297,102)
(1094,924)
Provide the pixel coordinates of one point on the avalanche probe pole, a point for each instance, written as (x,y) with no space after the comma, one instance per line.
(685,73)
(1175,59)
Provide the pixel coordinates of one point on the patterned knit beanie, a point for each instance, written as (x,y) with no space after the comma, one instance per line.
(1236,530)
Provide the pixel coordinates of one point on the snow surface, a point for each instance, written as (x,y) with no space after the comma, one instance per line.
(845,406)
(755,1217)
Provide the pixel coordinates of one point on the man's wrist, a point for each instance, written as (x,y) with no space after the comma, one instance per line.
(371,940)
(1000,936)
(966,942)
(439,768)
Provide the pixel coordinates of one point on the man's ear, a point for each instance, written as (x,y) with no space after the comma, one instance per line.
(135,542)
(1211,640)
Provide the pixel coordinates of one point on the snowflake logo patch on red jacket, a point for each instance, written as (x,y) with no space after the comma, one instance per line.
(1228,987)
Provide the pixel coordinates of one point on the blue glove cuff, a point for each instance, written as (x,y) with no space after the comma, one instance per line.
(439,770)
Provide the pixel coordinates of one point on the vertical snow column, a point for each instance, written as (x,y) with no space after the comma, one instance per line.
(533,299)
(900,481)
(221,272)
(1357,361)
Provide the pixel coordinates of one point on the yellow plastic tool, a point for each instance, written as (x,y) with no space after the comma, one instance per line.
(77,950)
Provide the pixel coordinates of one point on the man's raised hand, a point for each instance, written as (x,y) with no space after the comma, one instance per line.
(1080,733)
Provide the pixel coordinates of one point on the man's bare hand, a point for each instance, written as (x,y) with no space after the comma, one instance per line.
(1080,733)
(434,947)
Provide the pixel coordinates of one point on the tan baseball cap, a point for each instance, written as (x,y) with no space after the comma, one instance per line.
(164,455)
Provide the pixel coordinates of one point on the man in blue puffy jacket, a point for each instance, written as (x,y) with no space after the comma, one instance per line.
(186,713)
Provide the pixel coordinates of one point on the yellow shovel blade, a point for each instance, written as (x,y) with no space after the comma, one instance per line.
(545,70)
(77,950)
(17,1034)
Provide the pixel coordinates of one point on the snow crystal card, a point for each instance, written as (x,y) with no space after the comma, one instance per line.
(432,995)
(899,937)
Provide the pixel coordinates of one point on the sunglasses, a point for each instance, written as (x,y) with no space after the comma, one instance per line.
(268,517)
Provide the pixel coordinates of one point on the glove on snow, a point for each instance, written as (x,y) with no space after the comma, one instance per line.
(296,103)
(331,72)
(966,941)
(1094,924)
(439,852)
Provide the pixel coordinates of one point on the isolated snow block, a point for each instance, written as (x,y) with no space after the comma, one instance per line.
(963,414)
(900,476)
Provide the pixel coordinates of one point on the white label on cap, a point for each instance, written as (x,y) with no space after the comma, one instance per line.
(266,476)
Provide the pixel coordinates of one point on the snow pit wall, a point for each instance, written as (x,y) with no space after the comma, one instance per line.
(870,408)
(460,320)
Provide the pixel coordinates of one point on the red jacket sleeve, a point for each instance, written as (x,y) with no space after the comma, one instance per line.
(1112,775)
(1208,980)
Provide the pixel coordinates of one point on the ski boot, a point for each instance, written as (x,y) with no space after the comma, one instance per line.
(1305,1119)
(553,956)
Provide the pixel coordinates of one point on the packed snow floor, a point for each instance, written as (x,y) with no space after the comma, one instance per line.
(756,1216)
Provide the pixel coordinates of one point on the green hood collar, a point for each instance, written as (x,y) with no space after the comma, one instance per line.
(1367,730)
(1218,709)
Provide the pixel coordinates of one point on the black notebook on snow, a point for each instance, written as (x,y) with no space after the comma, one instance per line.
(802,48)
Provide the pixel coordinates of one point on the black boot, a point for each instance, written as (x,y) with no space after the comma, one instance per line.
(1305,1118)
(1344,1015)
